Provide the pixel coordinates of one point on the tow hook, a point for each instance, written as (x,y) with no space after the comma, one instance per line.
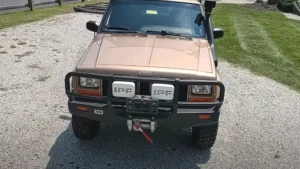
(129,124)
(153,125)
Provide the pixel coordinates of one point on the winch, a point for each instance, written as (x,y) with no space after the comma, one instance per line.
(140,124)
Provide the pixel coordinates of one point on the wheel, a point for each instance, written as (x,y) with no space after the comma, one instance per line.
(204,137)
(285,6)
(83,128)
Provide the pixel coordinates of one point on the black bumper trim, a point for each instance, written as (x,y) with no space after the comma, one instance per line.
(116,115)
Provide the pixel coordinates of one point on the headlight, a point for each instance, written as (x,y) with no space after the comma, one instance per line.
(89,82)
(201,89)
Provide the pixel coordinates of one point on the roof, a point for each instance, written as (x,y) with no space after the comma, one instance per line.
(183,1)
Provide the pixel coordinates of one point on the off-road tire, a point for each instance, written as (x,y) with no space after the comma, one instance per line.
(285,6)
(83,128)
(204,137)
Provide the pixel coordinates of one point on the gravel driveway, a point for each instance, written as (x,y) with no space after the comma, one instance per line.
(259,125)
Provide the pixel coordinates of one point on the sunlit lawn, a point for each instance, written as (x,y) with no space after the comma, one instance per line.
(265,42)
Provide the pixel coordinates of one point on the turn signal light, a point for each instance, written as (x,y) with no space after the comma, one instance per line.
(81,108)
(89,92)
(204,117)
(201,99)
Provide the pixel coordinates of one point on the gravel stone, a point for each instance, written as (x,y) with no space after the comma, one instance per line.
(259,125)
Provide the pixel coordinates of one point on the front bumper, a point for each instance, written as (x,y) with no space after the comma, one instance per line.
(171,114)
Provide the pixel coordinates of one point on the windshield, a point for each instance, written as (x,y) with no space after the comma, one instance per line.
(153,17)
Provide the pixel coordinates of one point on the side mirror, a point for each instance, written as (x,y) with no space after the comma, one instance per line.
(92,26)
(218,33)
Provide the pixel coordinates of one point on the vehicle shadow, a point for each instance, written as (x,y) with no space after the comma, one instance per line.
(116,147)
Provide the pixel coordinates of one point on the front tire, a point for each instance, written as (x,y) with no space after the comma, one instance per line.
(83,128)
(204,137)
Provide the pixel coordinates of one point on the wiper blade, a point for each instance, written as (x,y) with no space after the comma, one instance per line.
(127,29)
(169,33)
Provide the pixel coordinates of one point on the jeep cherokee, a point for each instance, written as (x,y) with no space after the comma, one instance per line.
(151,64)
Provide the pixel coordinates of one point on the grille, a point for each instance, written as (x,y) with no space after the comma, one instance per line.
(144,89)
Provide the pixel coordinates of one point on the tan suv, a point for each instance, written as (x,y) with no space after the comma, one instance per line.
(151,64)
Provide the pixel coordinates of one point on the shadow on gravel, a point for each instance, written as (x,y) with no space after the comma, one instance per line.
(117,148)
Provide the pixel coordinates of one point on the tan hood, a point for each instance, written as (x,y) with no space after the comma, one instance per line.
(153,56)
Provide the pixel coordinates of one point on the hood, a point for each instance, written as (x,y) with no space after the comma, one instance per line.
(152,55)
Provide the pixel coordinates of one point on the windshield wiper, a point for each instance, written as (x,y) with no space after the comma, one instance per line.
(169,33)
(126,28)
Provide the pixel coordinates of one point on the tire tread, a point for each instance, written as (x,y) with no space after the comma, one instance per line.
(204,137)
(83,128)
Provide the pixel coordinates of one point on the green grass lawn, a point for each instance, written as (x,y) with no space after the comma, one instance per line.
(265,42)
(8,19)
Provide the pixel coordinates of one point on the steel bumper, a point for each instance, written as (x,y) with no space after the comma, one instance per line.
(173,114)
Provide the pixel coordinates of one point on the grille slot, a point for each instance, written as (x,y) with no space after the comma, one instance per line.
(183,92)
(104,87)
(145,88)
